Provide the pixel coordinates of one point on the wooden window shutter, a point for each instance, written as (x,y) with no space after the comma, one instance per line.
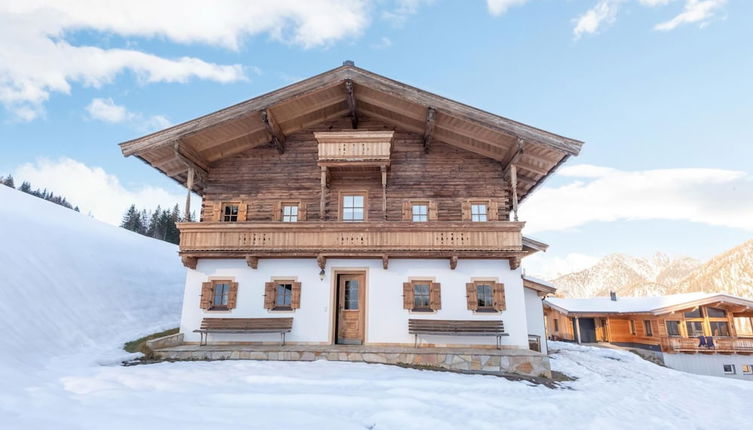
(470,293)
(217,211)
(407,295)
(242,211)
(302,211)
(435,296)
(269,295)
(295,301)
(232,296)
(493,213)
(206,295)
(498,295)
(277,215)
(433,212)
(407,210)
(466,208)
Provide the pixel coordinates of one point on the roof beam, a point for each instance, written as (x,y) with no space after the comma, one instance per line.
(351,103)
(431,115)
(514,158)
(277,137)
(190,158)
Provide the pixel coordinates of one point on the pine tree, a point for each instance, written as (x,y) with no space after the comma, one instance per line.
(132,220)
(25,187)
(7,181)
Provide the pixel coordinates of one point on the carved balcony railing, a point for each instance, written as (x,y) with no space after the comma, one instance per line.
(494,239)
(359,147)
(721,344)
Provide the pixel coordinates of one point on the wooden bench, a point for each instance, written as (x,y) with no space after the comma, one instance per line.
(244,325)
(458,328)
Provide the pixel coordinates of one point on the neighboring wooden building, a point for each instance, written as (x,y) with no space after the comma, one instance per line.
(355,204)
(697,332)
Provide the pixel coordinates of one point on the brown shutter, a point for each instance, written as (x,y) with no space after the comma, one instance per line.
(407,210)
(295,302)
(269,295)
(466,208)
(498,295)
(435,296)
(206,295)
(433,212)
(217,211)
(232,296)
(277,214)
(493,212)
(302,211)
(242,211)
(407,295)
(470,293)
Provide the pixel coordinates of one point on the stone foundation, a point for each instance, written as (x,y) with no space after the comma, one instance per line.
(467,360)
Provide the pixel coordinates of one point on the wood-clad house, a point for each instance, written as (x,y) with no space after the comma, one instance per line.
(697,332)
(367,211)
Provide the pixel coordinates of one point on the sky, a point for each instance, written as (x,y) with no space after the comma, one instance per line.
(661,91)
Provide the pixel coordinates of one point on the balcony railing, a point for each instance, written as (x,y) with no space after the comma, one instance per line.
(396,238)
(720,345)
(354,147)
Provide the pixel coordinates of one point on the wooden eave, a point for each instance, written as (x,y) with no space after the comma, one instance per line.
(736,305)
(541,289)
(349,91)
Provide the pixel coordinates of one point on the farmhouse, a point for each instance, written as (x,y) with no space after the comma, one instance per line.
(350,216)
(696,332)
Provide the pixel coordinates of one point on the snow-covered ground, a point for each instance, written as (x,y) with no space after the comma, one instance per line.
(75,289)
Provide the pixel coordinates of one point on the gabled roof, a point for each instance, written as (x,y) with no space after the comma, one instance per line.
(655,305)
(349,91)
(541,286)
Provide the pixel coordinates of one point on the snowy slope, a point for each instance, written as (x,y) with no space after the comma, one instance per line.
(72,284)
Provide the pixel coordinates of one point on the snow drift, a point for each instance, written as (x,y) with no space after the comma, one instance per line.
(72,283)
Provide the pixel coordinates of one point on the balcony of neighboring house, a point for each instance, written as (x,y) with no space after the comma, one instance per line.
(709,345)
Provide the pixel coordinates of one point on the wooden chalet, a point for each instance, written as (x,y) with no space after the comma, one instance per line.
(403,203)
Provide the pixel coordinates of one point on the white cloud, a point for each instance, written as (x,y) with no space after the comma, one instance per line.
(695,11)
(92,189)
(709,196)
(596,18)
(106,110)
(500,7)
(383,43)
(403,10)
(38,57)
(544,266)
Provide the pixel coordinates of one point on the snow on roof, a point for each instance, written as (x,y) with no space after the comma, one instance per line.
(635,304)
(539,281)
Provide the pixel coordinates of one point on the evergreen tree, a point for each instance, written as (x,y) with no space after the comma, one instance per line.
(7,181)
(132,220)
(25,187)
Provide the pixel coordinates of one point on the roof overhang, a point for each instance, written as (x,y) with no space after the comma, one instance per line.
(543,289)
(349,91)
(733,303)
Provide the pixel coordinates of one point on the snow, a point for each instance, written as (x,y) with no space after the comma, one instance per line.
(79,288)
(635,304)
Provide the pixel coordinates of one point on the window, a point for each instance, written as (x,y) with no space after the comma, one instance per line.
(352,289)
(647,327)
(420,213)
(283,295)
(695,328)
(673,328)
(719,328)
(478,212)
(744,326)
(729,369)
(695,313)
(747,369)
(229,212)
(631,325)
(556,324)
(484,297)
(716,313)
(421,296)
(353,206)
(290,213)
(220,293)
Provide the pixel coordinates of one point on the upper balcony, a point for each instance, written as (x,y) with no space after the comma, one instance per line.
(371,239)
(356,148)
(721,345)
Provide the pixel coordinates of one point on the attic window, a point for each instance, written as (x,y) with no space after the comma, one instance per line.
(478,212)
(229,212)
(420,213)
(290,213)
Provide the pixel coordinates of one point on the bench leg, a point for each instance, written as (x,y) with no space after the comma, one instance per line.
(415,342)
(283,338)
(499,342)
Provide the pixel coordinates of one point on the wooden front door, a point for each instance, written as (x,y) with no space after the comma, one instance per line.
(350,309)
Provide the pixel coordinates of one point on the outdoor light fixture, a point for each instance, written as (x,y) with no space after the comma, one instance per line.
(321,274)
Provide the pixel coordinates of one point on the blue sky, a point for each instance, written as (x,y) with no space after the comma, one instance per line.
(660,91)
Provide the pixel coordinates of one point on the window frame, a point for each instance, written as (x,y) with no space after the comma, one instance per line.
(475,203)
(556,325)
(678,325)
(224,205)
(490,286)
(731,371)
(648,329)
(741,331)
(283,307)
(227,283)
(296,215)
(747,369)
(413,214)
(413,284)
(631,328)
(353,193)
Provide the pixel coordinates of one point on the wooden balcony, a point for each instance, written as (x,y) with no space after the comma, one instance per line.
(722,345)
(381,239)
(354,148)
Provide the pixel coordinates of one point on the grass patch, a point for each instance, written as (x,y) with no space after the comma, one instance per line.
(139,345)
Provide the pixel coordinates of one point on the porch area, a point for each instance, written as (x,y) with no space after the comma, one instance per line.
(467,360)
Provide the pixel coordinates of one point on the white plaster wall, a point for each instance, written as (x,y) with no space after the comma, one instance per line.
(386,320)
(535,316)
(709,364)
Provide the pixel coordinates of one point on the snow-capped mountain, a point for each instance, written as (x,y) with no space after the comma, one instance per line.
(730,272)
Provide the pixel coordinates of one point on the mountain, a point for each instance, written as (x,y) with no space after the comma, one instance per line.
(626,275)
(730,272)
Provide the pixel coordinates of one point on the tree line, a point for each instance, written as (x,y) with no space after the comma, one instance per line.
(159,224)
(41,193)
